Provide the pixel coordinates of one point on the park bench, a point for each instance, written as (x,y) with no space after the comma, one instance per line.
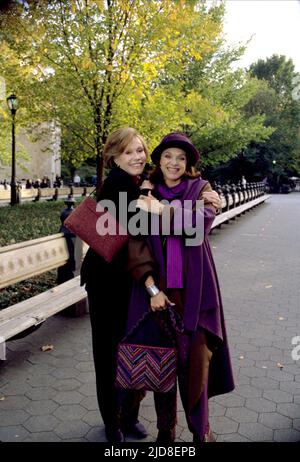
(237,202)
(19,262)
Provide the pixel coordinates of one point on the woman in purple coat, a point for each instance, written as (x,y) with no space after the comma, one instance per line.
(187,275)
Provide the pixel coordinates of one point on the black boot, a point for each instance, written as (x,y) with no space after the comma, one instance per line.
(208,438)
(114,435)
(136,430)
(166,436)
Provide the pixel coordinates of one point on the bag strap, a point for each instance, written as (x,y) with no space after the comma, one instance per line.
(92,192)
(176,321)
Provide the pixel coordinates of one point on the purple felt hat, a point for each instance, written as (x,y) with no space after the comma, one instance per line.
(176,140)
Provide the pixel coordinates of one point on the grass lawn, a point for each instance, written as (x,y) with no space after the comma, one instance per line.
(25,222)
(29,221)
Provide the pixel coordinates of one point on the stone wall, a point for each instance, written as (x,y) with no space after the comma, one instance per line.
(43,149)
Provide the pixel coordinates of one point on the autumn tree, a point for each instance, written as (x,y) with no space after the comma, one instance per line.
(94,65)
(279,101)
(216,96)
(74,60)
(203,96)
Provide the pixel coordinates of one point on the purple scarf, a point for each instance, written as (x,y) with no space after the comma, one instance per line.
(174,243)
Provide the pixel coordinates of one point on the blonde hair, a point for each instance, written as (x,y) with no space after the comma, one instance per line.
(117,142)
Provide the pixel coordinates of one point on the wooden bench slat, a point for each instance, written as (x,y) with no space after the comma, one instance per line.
(38,301)
(33,311)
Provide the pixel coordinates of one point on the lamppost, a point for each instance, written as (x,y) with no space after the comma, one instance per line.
(274,177)
(12,103)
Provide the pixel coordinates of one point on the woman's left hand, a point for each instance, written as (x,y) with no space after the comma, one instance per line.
(150,204)
(213,198)
(160,302)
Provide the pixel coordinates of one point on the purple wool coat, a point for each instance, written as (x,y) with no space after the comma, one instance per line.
(202,298)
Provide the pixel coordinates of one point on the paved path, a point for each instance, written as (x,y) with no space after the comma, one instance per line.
(50,396)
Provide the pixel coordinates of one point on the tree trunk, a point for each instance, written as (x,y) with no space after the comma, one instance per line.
(99,161)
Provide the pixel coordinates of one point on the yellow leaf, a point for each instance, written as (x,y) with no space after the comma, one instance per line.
(86,62)
(47,347)
(3,113)
(99,4)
